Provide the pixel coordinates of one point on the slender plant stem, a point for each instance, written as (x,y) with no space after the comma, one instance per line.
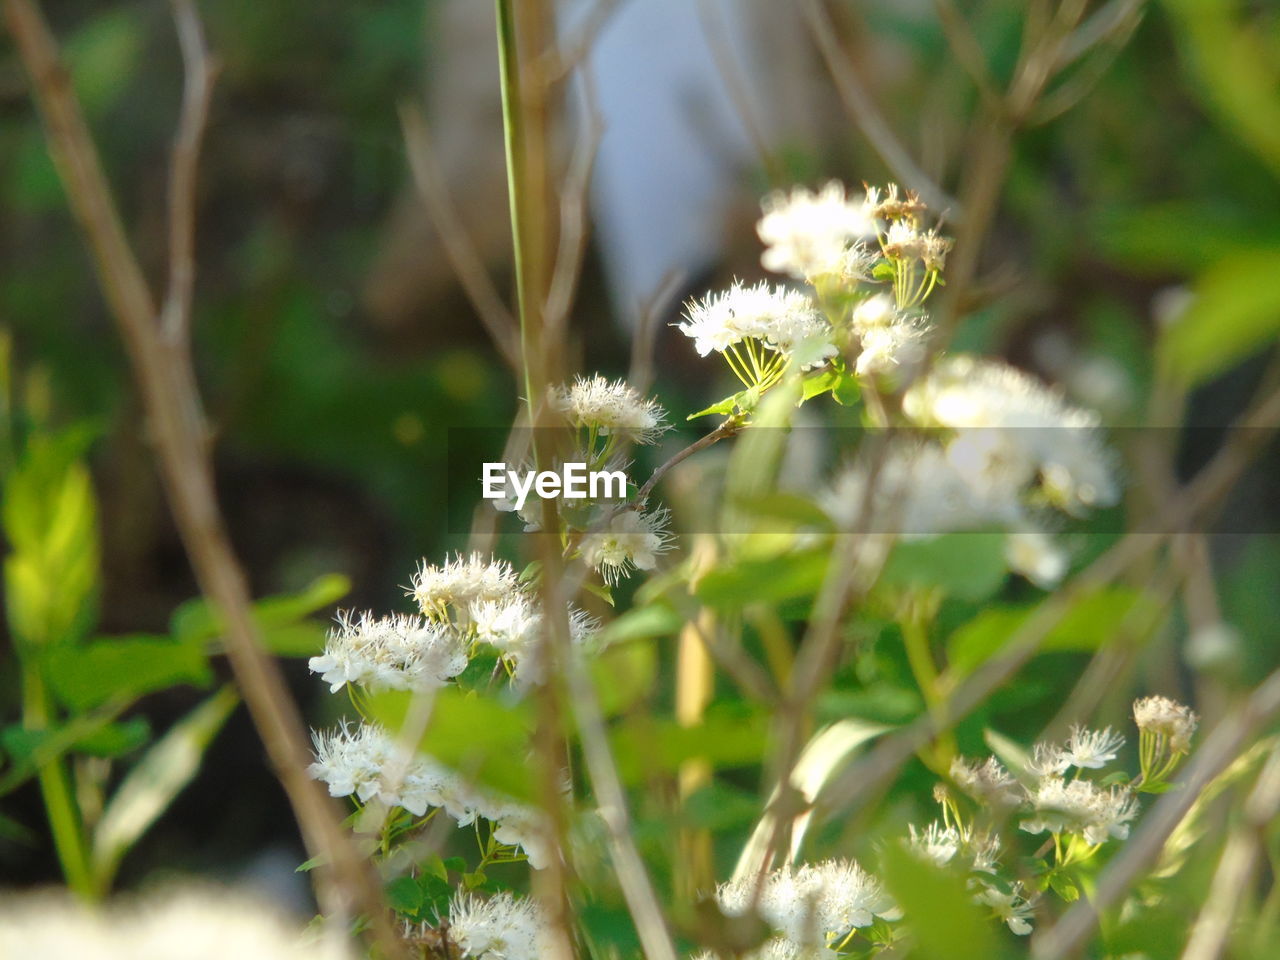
(55,788)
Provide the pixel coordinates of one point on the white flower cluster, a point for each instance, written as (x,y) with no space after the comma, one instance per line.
(484,602)
(839,246)
(1053,803)
(812,236)
(1165,718)
(610,408)
(503,927)
(1010,433)
(1006,450)
(631,540)
(889,336)
(192,923)
(389,653)
(464,604)
(367,761)
(810,907)
(784,321)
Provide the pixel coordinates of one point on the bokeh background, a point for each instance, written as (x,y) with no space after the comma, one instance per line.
(335,348)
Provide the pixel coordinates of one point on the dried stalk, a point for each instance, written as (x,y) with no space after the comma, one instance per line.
(163,369)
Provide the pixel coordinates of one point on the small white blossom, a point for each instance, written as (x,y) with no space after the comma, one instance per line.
(988,782)
(812,904)
(1092,749)
(1078,806)
(190,922)
(808,235)
(903,241)
(613,407)
(503,927)
(1048,759)
(1033,554)
(459,582)
(1166,718)
(631,541)
(515,628)
(1010,907)
(1018,429)
(389,653)
(936,843)
(786,321)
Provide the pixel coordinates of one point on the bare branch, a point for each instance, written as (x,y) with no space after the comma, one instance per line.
(167,383)
(866,115)
(476,282)
(967,50)
(199,72)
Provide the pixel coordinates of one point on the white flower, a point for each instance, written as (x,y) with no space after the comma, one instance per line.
(350,760)
(1092,749)
(459,582)
(903,241)
(391,653)
(613,407)
(503,927)
(919,492)
(189,922)
(515,627)
(1078,806)
(888,347)
(807,234)
(1016,428)
(1166,718)
(786,321)
(814,903)
(1009,907)
(365,760)
(988,782)
(1048,759)
(631,541)
(1033,554)
(936,843)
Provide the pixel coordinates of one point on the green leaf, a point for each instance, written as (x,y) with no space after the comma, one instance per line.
(753,580)
(723,407)
(1090,622)
(196,621)
(124,668)
(479,736)
(1235,312)
(641,623)
(624,675)
(970,566)
(148,789)
(944,920)
(727,738)
(792,508)
(404,895)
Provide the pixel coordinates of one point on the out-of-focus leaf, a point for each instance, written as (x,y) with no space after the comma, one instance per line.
(970,566)
(641,623)
(50,521)
(725,739)
(1179,235)
(792,508)
(1238,77)
(482,738)
(624,675)
(1235,311)
(102,55)
(944,921)
(1087,626)
(720,807)
(124,667)
(750,580)
(195,620)
(146,792)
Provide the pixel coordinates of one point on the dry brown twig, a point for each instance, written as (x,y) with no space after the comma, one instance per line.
(467,264)
(162,366)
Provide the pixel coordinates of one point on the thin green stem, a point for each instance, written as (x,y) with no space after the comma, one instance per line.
(55,787)
(514,138)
